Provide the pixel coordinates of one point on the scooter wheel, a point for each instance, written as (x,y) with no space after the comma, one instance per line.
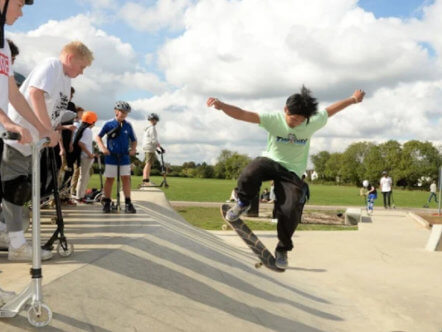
(39,315)
(224,227)
(65,253)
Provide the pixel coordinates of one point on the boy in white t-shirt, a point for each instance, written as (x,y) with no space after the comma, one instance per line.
(10,11)
(47,89)
(284,160)
(150,145)
(386,184)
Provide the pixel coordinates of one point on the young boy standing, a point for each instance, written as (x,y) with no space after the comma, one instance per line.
(121,144)
(150,145)
(284,160)
(47,89)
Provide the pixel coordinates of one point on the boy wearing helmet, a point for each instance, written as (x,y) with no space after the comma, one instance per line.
(83,147)
(150,144)
(121,144)
(284,160)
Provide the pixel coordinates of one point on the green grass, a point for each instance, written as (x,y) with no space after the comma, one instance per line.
(210,219)
(215,190)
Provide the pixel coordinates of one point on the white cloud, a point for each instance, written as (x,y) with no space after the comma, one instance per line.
(165,14)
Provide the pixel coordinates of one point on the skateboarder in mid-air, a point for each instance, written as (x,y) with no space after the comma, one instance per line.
(285,159)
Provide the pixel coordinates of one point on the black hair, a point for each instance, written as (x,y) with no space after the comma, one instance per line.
(14,49)
(302,104)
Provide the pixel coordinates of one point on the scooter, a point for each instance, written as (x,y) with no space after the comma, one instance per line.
(164,171)
(31,298)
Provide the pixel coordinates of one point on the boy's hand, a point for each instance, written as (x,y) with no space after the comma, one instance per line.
(106,152)
(53,136)
(215,102)
(132,153)
(358,95)
(25,135)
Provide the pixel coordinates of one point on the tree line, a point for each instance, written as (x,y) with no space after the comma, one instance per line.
(409,164)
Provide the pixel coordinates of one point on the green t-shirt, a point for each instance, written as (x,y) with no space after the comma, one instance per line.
(290,146)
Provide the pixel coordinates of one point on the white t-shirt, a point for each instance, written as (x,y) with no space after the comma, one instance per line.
(49,77)
(433,188)
(5,72)
(150,139)
(86,139)
(386,184)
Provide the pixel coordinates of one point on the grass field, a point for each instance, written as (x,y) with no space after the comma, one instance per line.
(215,190)
(210,219)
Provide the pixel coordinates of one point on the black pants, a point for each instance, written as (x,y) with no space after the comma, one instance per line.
(289,194)
(387,198)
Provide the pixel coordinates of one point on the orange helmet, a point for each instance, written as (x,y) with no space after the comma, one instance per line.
(89,117)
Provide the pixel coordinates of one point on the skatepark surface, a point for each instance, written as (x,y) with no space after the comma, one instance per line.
(152,271)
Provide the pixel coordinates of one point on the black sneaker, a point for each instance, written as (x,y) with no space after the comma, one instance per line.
(281,259)
(107,206)
(130,208)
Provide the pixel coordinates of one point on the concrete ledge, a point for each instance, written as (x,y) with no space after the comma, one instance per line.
(419,219)
(434,242)
(352,216)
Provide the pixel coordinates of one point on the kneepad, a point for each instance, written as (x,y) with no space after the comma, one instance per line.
(17,191)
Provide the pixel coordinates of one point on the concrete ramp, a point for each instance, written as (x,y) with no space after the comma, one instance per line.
(154,272)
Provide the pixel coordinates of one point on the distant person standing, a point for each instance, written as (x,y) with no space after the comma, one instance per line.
(150,145)
(433,193)
(386,183)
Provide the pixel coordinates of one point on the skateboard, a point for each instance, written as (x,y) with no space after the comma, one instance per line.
(265,256)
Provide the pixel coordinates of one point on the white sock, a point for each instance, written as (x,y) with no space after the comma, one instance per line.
(17,239)
(2,227)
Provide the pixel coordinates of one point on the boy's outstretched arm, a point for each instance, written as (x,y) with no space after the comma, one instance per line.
(233,111)
(357,97)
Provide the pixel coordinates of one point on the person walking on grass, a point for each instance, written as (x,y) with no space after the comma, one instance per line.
(433,194)
(284,160)
(150,145)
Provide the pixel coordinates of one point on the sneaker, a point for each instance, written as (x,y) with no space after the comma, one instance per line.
(235,212)
(24,253)
(130,208)
(107,206)
(4,240)
(5,296)
(281,259)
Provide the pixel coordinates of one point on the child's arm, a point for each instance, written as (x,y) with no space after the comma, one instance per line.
(9,125)
(19,102)
(101,146)
(233,111)
(357,97)
(133,148)
(39,105)
(85,150)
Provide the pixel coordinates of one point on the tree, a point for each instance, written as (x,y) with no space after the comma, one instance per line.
(373,164)
(332,170)
(419,160)
(319,160)
(230,164)
(352,169)
(391,154)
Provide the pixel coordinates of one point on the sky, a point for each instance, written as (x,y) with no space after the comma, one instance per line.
(169,56)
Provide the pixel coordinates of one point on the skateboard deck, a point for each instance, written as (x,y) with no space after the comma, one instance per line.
(265,256)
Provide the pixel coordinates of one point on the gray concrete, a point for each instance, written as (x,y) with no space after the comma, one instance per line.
(154,272)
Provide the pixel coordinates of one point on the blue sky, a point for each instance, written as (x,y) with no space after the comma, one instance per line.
(168,56)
